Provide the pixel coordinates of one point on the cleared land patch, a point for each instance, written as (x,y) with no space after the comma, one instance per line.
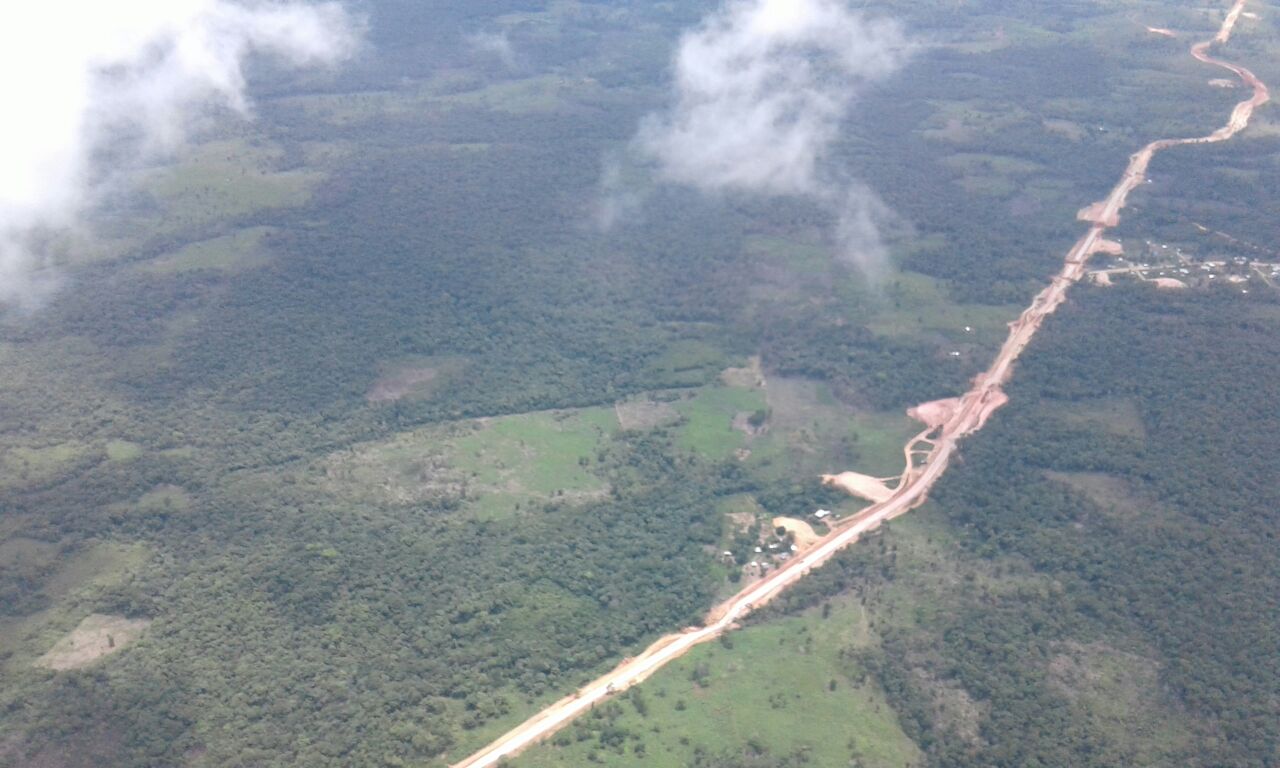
(811,432)
(224,179)
(122,450)
(922,309)
(862,486)
(801,531)
(1112,494)
(400,384)
(645,413)
(1119,693)
(709,415)
(69,578)
(97,636)
(782,687)
(27,466)
(492,466)
(1113,415)
(243,249)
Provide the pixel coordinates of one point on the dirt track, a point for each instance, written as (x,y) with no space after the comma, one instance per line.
(967,416)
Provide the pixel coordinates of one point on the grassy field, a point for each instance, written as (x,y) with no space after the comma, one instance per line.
(239,250)
(495,467)
(32,466)
(122,450)
(709,417)
(780,688)
(690,362)
(810,432)
(534,456)
(917,305)
(207,185)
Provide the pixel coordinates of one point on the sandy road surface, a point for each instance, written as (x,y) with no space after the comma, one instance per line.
(967,417)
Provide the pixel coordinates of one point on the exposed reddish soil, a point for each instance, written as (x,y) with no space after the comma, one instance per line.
(934,413)
(862,486)
(1099,213)
(1108,248)
(800,531)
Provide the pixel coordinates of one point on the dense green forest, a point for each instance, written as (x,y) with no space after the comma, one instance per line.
(1132,619)
(194,431)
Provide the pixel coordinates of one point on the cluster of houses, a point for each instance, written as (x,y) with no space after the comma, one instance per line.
(775,549)
(1171,267)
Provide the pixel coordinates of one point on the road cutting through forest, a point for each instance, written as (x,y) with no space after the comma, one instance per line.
(947,423)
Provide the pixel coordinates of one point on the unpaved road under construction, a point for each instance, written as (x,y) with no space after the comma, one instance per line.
(957,419)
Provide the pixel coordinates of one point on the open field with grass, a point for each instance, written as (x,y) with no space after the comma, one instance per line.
(239,250)
(917,305)
(782,688)
(492,467)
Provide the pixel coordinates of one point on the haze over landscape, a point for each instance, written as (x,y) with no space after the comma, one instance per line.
(729,384)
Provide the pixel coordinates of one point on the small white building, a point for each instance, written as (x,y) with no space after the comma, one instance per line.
(822,513)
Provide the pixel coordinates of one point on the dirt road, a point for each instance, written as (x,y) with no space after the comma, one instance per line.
(967,416)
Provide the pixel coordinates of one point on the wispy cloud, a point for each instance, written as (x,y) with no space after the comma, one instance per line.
(82,81)
(495,44)
(761,89)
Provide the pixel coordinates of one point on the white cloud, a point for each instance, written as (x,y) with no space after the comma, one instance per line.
(496,44)
(762,87)
(77,77)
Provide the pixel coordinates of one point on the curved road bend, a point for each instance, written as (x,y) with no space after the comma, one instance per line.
(969,415)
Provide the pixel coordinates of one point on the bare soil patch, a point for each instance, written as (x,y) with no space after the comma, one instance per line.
(1102,278)
(934,413)
(644,414)
(741,521)
(749,377)
(742,423)
(1108,247)
(862,486)
(97,636)
(1096,213)
(1169,283)
(400,384)
(801,531)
